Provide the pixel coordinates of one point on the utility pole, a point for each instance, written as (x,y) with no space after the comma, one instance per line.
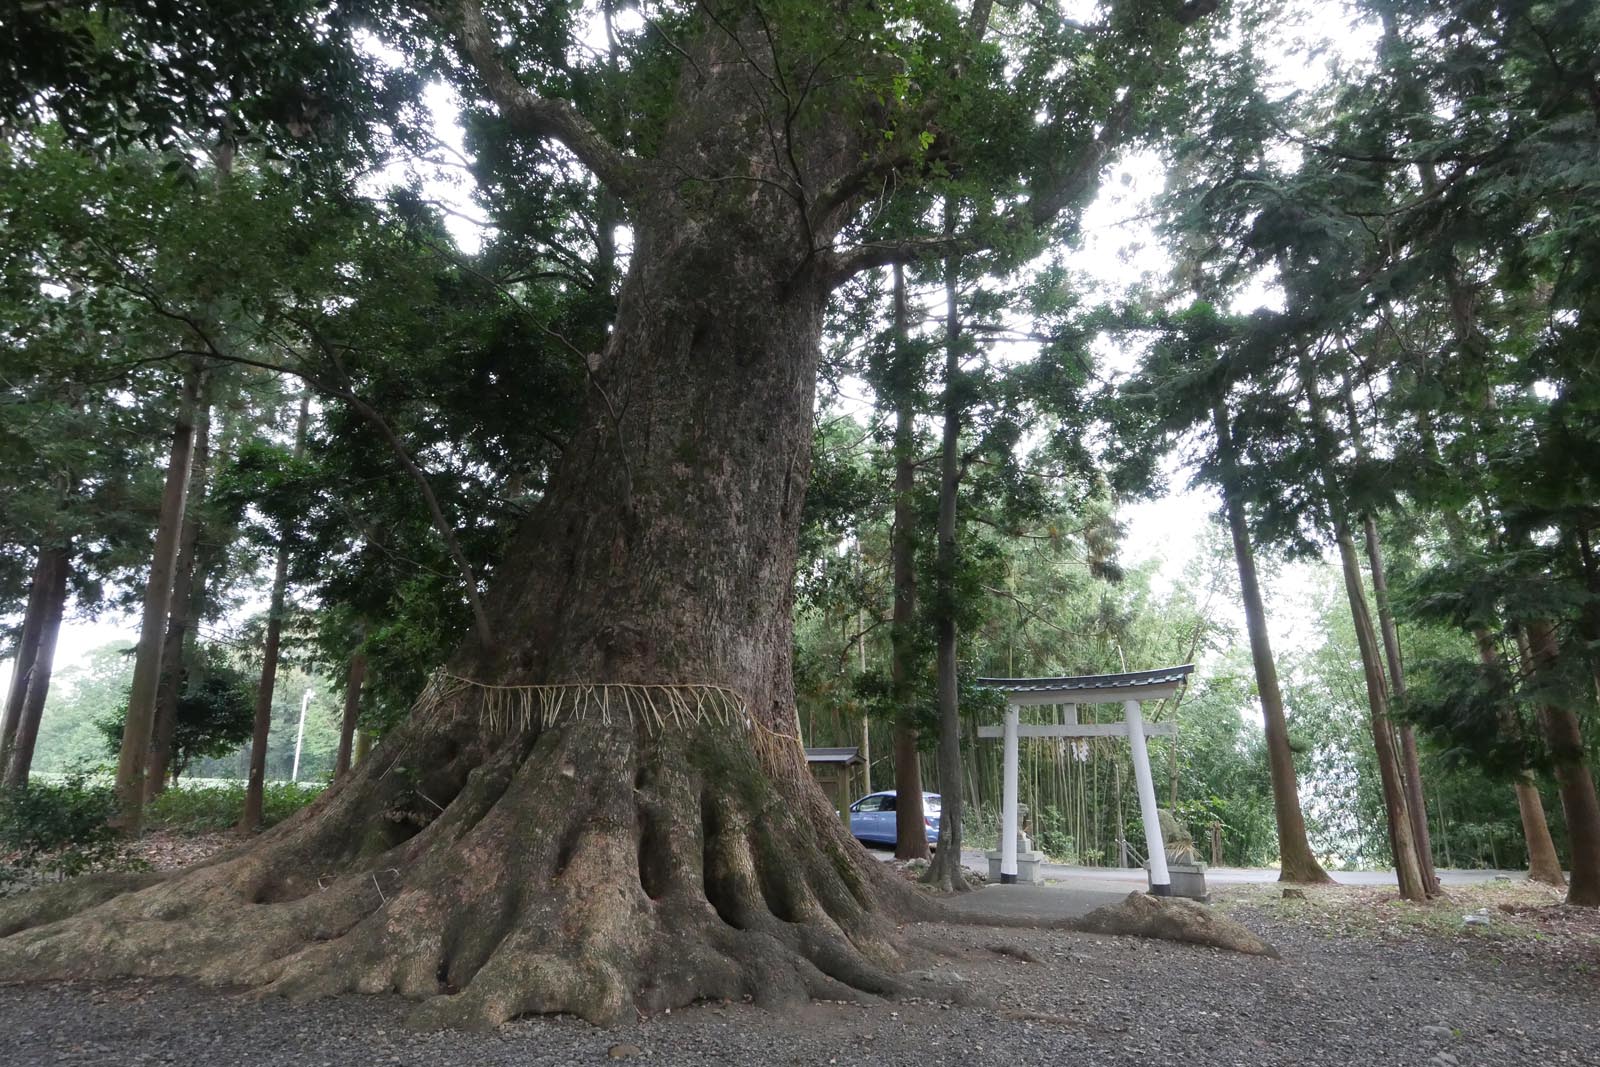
(300,736)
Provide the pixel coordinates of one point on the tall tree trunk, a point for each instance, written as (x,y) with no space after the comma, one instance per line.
(1411,764)
(261,727)
(353,679)
(136,731)
(57,564)
(1408,871)
(1297,862)
(26,651)
(1573,776)
(1543,863)
(188,590)
(910,840)
(946,871)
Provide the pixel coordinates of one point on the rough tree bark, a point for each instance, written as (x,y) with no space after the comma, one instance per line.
(1297,863)
(26,650)
(56,562)
(261,726)
(606,810)
(136,730)
(946,873)
(187,593)
(354,677)
(910,840)
(1573,776)
(1544,865)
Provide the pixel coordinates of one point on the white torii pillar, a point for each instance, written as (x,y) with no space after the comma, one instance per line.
(1008,802)
(1128,689)
(1160,878)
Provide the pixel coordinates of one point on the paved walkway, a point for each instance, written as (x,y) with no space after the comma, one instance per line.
(1070,892)
(1118,876)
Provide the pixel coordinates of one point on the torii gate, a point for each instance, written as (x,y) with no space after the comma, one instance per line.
(1130,689)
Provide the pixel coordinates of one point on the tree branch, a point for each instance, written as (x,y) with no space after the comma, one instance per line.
(370,414)
(1048,199)
(556,120)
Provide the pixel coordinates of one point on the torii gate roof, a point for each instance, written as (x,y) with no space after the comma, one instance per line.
(1093,688)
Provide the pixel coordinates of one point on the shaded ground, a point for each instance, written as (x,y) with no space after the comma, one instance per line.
(1359,984)
(1053,900)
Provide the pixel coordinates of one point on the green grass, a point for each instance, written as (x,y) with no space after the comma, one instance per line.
(199,809)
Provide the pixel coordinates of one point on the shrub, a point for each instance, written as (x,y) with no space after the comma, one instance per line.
(56,830)
(208,808)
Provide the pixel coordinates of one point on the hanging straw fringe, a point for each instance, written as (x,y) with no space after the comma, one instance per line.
(507,707)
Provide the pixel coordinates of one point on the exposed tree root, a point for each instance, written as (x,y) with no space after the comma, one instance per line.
(504,880)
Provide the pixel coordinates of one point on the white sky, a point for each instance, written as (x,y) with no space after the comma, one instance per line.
(1118,248)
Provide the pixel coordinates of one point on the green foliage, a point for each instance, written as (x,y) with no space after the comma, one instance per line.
(81,696)
(215,712)
(60,829)
(198,808)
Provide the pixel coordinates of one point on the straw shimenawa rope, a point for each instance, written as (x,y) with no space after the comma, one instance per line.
(680,705)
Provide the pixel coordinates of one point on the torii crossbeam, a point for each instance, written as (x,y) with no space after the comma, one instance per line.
(1130,690)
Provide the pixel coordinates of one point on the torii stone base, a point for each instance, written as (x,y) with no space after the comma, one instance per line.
(1030,863)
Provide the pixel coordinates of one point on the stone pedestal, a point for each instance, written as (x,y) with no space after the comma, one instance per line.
(1030,863)
(1188,875)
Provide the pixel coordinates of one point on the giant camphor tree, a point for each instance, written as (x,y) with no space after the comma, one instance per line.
(600,804)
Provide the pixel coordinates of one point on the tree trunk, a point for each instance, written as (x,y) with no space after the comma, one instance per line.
(1297,862)
(352,710)
(1573,776)
(1411,765)
(1543,863)
(946,871)
(57,565)
(363,747)
(188,588)
(136,732)
(261,727)
(910,840)
(1408,871)
(26,651)
(609,810)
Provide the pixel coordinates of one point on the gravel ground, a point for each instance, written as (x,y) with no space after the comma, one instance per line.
(1083,1000)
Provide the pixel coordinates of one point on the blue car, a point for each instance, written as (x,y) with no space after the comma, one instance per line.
(872,818)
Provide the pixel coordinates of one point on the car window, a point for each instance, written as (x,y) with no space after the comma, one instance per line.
(888,803)
(931,805)
(869,804)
